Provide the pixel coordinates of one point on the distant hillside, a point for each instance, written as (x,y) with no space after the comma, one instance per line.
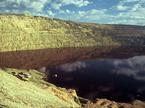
(20,32)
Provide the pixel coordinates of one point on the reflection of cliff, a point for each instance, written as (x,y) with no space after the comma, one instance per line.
(131,41)
(50,57)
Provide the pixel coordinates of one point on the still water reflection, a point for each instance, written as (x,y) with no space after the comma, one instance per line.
(115,79)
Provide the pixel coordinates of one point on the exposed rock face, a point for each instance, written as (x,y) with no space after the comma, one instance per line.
(104,103)
(31,33)
(20,32)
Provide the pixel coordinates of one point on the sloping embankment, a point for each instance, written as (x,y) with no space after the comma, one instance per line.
(34,93)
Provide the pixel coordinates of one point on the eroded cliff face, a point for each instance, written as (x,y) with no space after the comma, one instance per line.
(19,32)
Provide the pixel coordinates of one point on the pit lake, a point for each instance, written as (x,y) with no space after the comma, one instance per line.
(115,73)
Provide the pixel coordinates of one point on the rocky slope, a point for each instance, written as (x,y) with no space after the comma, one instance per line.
(16,91)
(19,32)
(104,103)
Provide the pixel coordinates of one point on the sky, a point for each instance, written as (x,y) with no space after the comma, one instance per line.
(96,11)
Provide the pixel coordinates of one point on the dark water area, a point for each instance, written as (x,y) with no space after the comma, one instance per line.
(121,80)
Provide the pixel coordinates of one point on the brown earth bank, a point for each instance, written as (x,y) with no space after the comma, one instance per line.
(104,103)
(33,59)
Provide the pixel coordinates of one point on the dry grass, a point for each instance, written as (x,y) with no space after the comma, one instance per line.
(28,33)
(35,93)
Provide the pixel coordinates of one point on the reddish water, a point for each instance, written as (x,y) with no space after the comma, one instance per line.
(50,57)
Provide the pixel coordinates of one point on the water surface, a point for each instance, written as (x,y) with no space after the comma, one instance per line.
(33,59)
(115,73)
(115,79)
